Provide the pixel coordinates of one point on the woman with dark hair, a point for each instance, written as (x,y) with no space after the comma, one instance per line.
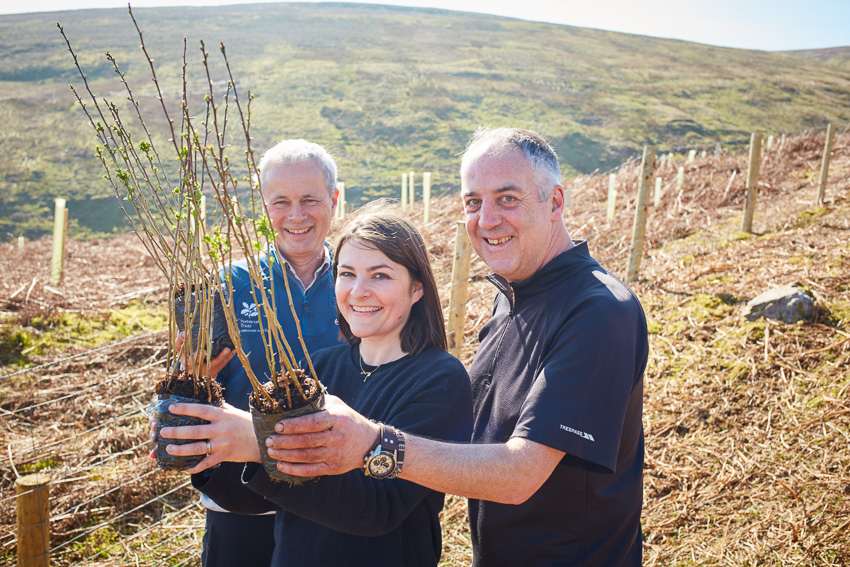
(395,371)
(390,235)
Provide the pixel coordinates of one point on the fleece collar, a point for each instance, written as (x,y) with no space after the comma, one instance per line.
(558,269)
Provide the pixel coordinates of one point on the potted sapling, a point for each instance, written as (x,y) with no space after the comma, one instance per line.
(290,390)
(161,190)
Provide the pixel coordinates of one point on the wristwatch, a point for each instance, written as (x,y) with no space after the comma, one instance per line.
(387,457)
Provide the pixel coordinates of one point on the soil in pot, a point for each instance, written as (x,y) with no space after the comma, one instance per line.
(220,336)
(266,416)
(181,388)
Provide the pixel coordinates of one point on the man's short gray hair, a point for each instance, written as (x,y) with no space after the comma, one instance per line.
(539,153)
(290,152)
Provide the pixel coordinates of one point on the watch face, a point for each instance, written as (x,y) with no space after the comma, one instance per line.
(381,465)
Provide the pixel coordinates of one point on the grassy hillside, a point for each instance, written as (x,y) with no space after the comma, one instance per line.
(835,56)
(389,89)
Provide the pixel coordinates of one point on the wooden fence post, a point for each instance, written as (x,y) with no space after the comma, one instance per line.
(60,221)
(460,285)
(647,163)
(752,182)
(403,191)
(64,237)
(33,534)
(612,195)
(426,196)
(658,189)
(340,200)
(824,166)
(411,189)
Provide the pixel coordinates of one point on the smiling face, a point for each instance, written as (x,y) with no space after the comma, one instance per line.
(373,293)
(300,208)
(512,230)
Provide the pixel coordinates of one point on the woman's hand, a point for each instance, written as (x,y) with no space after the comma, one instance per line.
(228,437)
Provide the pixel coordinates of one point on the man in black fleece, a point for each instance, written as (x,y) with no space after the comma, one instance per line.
(554,471)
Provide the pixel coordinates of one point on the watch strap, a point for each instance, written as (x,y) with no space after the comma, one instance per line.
(399,454)
(390,441)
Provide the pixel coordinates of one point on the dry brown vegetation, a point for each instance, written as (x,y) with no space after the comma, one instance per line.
(747,423)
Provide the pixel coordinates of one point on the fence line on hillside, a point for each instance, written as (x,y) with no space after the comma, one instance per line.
(631,163)
(124,514)
(407,191)
(85,390)
(36,450)
(634,159)
(132,399)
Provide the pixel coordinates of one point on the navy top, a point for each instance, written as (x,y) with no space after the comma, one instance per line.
(352,519)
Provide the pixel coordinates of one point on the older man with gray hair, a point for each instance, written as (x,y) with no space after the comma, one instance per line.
(554,471)
(298,183)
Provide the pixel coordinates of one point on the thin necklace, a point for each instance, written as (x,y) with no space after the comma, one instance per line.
(363,372)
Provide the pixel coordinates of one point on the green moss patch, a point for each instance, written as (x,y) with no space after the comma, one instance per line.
(63,330)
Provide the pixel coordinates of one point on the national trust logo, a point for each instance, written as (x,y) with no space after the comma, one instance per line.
(248,309)
(249,321)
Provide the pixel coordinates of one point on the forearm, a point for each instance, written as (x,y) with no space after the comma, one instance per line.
(336,440)
(505,472)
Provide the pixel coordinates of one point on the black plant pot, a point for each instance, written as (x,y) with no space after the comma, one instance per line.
(264,427)
(220,336)
(164,418)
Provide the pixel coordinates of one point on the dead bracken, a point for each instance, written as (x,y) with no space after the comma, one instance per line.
(746,423)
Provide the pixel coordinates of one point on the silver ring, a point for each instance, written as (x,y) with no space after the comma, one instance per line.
(209,448)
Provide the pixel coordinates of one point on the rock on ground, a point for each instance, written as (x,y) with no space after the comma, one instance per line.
(788,303)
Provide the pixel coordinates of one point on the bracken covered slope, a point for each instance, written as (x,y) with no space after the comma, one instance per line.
(747,423)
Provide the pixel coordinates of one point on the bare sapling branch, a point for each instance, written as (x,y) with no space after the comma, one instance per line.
(161,191)
(166,218)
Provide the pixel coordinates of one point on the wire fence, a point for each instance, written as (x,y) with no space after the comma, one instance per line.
(84,354)
(108,502)
(87,429)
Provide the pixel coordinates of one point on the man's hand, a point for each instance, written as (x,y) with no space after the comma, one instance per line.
(216,364)
(230,435)
(333,441)
(219,362)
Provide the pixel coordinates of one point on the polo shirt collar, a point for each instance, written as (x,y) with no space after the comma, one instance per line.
(323,267)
